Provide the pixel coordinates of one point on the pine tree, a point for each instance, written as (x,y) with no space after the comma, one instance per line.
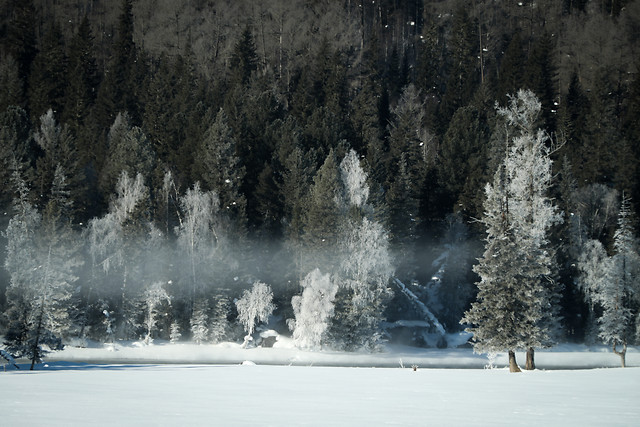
(42,257)
(199,321)
(244,60)
(21,40)
(48,78)
(129,151)
(219,324)
(515,307)
(83,84)
(59,148)
(221,170)
(11,81)
(322,216)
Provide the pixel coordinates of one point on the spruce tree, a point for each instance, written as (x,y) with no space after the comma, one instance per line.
(47,82)
(516,306)
(220,169)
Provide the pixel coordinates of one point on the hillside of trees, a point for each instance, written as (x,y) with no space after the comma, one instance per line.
(184,170)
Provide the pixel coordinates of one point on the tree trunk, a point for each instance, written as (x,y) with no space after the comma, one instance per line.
(622,353)
(513,365)
(531,364)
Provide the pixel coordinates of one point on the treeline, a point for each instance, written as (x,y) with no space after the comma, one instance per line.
(253,108)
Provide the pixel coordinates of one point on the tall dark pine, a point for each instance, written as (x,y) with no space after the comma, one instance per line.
(463,75)
(244,60)
(48,77)
(20,39)
(511,69)
(122,86)
(83,82)
(541,77)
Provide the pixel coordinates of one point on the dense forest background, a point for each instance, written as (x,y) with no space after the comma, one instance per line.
(260,103)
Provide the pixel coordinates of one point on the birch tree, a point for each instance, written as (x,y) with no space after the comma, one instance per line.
(613,283)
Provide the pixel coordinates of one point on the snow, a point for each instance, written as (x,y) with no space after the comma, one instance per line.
(238,395)
(224,384)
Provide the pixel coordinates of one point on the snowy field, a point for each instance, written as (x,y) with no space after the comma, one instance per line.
(254,395)
(188,385)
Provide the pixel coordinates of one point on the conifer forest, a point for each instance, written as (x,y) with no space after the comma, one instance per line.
(349,172)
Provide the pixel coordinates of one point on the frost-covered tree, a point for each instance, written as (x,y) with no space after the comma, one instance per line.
(255,305)
(516,303)
(199,321)
(613,283)
(219,324)
(313,310)
(174,333)
(42,258)
(116,242)
(365,272)
(153,298)
(197,235)
(221,171)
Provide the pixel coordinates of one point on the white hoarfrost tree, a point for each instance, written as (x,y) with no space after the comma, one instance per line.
(199,321)
(116,242)
(255,305)
(613,283)
(366,272)
(365,268)
(42,257)
(313,310)
(219,324)
(516,306)
(197,235)
(153,298)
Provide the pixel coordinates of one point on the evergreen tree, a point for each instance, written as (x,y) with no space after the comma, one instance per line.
(511,69)
(59,148)
(221,170)
(541,77)
(462,160)
(244,60)
(129,150)
(11,81)
(322,216)
(42,259)
(21,40)
(515,307)
(83,84)
(463,76)
(406,173)
(199,321)
(47,81)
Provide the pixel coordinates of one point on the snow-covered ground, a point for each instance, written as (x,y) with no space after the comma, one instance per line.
(186,384)
(254,395)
